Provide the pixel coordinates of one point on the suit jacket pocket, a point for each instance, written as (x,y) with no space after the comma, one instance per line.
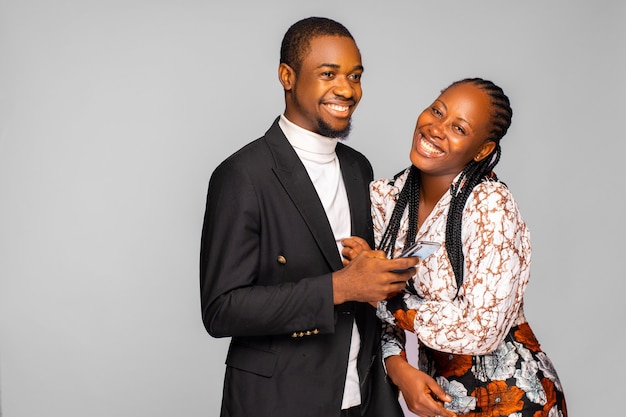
(252,359)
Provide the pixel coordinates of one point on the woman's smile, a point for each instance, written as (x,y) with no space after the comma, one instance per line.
(427,147)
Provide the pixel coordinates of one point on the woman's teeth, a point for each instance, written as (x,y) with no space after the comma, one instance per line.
(429,147)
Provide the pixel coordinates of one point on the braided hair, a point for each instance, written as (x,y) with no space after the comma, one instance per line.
(473,173)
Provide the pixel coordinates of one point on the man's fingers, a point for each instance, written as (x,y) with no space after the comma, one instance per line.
(400,264)
(376,254)
(355,242)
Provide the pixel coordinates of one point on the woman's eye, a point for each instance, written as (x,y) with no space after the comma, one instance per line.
(459,129)
(436,111)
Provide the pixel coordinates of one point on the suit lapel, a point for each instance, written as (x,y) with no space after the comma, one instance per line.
(357,187)
(357,191)
(293,176)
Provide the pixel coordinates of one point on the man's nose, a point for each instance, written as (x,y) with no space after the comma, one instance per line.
(343,87)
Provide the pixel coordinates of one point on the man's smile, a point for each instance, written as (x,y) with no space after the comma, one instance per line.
(341,110)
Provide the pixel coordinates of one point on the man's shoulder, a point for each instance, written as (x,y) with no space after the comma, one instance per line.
(348,150)
(253,156)
(255,149)
(248,158)
(249,150)
(347,153)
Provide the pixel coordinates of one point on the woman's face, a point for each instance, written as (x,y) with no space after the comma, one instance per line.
(452,131)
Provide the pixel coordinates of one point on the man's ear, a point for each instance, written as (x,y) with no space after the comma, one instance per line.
(485,150)
(286,76)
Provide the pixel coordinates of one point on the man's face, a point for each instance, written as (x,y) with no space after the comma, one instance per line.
(322,96)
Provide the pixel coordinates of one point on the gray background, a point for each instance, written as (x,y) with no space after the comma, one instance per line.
(113,114)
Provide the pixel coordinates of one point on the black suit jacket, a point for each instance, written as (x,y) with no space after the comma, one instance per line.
(267,254)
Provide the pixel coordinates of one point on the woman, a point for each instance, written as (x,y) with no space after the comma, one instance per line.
(465,302)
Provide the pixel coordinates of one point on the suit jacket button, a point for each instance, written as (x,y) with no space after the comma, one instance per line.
(281,259)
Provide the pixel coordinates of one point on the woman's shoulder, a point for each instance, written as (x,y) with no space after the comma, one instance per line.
(495,198)
(490,190)
(397,181)
(387,186)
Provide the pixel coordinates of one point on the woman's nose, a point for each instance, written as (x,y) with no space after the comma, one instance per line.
(436,130)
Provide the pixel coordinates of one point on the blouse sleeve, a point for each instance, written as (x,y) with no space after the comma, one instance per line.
(393,341)
(496,247)
(383,199)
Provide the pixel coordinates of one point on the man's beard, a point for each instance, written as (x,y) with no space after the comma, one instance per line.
(329,132)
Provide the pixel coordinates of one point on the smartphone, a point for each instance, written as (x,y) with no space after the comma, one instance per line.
(421,248)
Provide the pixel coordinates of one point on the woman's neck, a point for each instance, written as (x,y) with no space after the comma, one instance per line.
(432,188)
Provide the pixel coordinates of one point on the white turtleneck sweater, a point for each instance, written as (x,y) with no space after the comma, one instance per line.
(317,153)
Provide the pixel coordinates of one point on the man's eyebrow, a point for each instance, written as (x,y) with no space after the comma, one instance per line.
(337,66)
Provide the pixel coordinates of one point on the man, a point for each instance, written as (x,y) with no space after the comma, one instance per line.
(304,341)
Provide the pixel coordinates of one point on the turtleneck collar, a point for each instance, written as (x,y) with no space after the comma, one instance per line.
(314,145)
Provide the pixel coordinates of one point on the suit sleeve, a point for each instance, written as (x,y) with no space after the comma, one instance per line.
(242,292)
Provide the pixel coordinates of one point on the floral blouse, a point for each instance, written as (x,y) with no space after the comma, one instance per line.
(496,248)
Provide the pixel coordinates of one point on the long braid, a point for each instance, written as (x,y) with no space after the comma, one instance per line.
(409,196)
(474,173)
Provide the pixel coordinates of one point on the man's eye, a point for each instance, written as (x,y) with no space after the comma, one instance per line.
(327,74)
(459,129)
(355,77)
(436,111)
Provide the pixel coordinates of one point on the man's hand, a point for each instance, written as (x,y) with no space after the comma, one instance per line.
(352,246)
(370,277)
(422,395)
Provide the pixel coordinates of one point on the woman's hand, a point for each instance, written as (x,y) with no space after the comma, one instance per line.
(352,246)
(422,395)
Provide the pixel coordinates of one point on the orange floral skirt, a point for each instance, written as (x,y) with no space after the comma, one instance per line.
(516,380)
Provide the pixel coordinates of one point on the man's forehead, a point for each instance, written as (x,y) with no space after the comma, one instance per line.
(333,51)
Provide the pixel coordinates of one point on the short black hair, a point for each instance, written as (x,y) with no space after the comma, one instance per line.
(297,40)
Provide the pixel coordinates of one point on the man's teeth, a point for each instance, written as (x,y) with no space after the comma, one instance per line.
(337,107)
